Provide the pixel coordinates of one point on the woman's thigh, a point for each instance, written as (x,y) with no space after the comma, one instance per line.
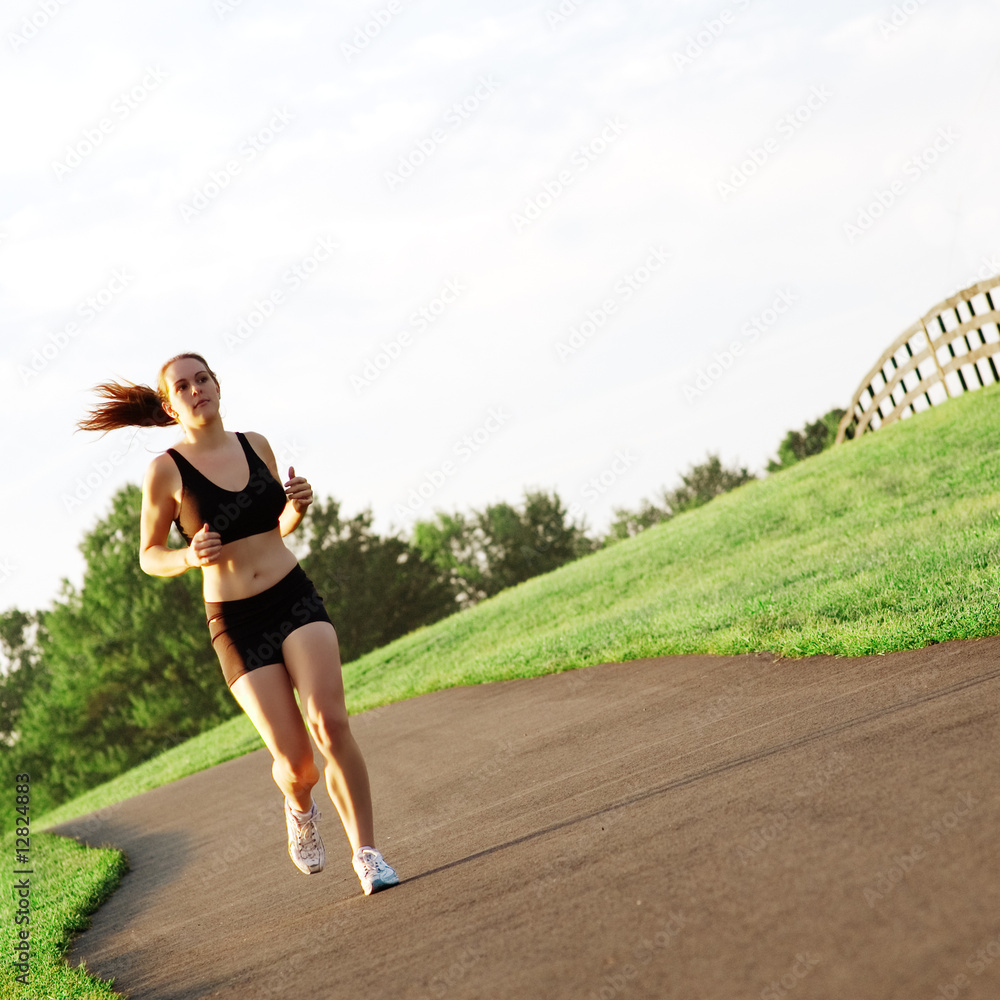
(312,659)
(267,697)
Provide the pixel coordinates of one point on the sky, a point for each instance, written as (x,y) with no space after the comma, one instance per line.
(443,253)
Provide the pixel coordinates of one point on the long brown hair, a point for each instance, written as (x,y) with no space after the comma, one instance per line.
(128,404)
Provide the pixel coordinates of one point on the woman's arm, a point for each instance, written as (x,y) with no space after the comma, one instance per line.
(158,506)
(290,519)
(300,495)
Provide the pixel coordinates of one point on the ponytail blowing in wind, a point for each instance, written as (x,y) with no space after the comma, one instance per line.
(128,404)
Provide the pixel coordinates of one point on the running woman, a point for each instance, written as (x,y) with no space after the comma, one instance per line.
(268,625)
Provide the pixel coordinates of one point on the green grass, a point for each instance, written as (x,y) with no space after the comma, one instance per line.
(231,739)
(885,543)
(67,884)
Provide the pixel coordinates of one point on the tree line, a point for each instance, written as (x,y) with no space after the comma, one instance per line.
(121,668)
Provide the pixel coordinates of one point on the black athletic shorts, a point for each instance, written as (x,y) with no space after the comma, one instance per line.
(248,633)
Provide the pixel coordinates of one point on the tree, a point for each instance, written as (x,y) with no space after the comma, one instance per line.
(21,669)
(375,589)
(520,544)
(453,543)
(700,484)
(811,440)
(705,482)
(628,523)
(128,666)
(501,545)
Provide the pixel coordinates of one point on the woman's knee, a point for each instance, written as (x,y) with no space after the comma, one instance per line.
(300,770)
(331,730)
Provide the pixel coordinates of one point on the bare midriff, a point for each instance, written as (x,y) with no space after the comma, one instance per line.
(247,566)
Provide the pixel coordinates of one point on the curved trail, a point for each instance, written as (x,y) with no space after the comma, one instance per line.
(691,826)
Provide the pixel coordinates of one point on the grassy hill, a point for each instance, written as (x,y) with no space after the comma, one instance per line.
(879,544)
(884,543)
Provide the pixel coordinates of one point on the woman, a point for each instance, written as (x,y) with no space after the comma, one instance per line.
(268,625)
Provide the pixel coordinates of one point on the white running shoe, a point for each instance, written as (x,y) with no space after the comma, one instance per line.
(305,845)
(374,873)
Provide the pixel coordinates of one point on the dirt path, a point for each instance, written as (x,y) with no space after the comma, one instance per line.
(694,826)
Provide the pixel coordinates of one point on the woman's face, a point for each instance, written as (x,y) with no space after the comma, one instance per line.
(193,393)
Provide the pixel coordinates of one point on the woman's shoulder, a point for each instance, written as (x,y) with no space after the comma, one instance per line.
(262,449)
(258,442)
(162,469)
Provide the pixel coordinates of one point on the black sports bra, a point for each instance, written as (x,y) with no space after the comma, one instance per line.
(234,514)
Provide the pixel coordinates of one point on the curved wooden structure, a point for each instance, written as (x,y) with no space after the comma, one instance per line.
(945,353)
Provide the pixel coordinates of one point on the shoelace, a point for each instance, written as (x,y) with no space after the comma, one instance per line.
(305,834)
(370,863)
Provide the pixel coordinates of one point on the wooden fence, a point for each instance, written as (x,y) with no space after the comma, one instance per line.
(945,353)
